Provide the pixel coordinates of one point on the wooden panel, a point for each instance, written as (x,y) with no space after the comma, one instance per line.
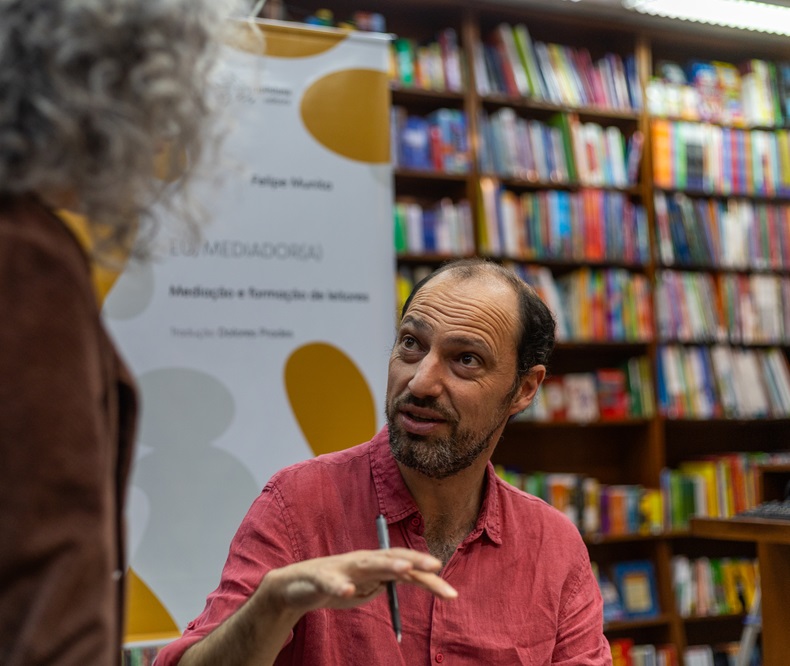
(775,580)
(744,529)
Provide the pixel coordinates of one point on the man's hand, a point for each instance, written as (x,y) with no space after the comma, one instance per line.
(351,579)
(256,633)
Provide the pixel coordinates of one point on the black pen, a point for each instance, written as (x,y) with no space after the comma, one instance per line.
(384,542)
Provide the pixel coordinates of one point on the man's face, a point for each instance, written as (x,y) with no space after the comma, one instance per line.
(452,373)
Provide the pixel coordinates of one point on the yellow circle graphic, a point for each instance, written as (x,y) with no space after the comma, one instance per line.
(147,619)
(329,397)
(103,277)
(282,41)
(348,113)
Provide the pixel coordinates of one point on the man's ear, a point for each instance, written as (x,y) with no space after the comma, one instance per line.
(528,388)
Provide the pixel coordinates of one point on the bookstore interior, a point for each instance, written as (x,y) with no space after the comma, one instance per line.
(634,168)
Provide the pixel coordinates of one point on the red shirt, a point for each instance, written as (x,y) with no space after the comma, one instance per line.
(527,594)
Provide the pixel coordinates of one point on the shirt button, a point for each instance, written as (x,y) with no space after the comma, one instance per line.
(415,522)
(439,658)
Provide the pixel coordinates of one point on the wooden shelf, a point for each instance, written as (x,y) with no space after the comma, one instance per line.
(726,421)
(743,529)
(590,345)
(601,423)
(402,95)
(425,258)
(414,174)
(522,183)
(627,625)
(603,539)
(724,617)
(536,105)
(556,263)
(773,553)
(724,270)
(565,264)
(678,119)
(748,196)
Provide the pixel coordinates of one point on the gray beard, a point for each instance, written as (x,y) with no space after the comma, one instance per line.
(437,458)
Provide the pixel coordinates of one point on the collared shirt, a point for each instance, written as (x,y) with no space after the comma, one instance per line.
(526,592)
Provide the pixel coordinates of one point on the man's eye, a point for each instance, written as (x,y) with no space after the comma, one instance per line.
(469,360)
(408,342)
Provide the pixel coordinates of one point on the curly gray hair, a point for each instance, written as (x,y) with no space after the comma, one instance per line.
(90,91)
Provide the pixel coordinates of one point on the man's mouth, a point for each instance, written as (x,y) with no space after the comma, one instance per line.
(420,421)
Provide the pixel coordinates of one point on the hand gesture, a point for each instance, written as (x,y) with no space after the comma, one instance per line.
(352,579)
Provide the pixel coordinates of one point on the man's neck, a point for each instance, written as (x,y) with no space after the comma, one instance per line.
(450,506)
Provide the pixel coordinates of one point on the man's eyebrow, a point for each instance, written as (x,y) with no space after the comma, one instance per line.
(464,341)
(475,344)
(414,322)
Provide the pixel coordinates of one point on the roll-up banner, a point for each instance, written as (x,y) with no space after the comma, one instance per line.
(266,342)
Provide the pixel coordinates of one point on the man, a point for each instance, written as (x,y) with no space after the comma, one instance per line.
(470,353)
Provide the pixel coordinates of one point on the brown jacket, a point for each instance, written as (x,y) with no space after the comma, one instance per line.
(67,414)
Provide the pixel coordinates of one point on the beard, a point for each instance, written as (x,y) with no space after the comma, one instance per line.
(438,457)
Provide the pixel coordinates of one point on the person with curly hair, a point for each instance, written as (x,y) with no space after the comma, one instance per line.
(90,92)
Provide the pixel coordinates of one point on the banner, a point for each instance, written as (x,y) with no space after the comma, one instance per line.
(266,342)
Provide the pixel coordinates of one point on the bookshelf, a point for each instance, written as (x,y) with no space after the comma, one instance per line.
(658,255)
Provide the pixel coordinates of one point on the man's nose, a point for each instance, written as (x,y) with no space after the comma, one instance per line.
(428,377)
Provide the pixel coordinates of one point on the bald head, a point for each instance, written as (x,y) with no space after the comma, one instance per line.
(535,334)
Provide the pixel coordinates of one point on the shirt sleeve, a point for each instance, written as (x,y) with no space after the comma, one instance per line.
(580,638)
(263,542)
(58,578)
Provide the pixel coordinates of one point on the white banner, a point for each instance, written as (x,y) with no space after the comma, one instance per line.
(268,341)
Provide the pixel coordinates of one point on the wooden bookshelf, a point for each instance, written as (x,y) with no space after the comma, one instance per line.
(773,551)
(634,449)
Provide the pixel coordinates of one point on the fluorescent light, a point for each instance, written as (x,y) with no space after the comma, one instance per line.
(743,14)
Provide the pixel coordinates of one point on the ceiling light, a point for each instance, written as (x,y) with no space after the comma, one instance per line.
(742,14)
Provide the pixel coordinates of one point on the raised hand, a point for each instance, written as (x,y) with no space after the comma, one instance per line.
(352,579)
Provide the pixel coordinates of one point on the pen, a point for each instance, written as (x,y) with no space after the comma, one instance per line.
(384,542)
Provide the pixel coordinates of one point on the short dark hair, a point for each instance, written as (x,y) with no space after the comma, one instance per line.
(536,339)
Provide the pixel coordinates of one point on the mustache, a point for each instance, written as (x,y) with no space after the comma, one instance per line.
(426,403)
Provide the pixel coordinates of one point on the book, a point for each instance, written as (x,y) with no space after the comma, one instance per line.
(661,135)
(612,606)
(636,582)
(529,60)
(728,80)
(512,71)
(405,58)
(698,655)
(451,59)
(581,397)
(554,394)
(634,150)
(615,156)
(621,651)
(553,89)
(643,655)
(651,511)
(415,146)
(613,402)
(666,655)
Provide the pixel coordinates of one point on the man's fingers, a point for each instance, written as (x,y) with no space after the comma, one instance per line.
(432,583)
(403,566)
(394,562)
(421,561)
(351,579)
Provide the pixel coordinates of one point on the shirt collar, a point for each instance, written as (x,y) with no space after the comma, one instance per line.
(396,502)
